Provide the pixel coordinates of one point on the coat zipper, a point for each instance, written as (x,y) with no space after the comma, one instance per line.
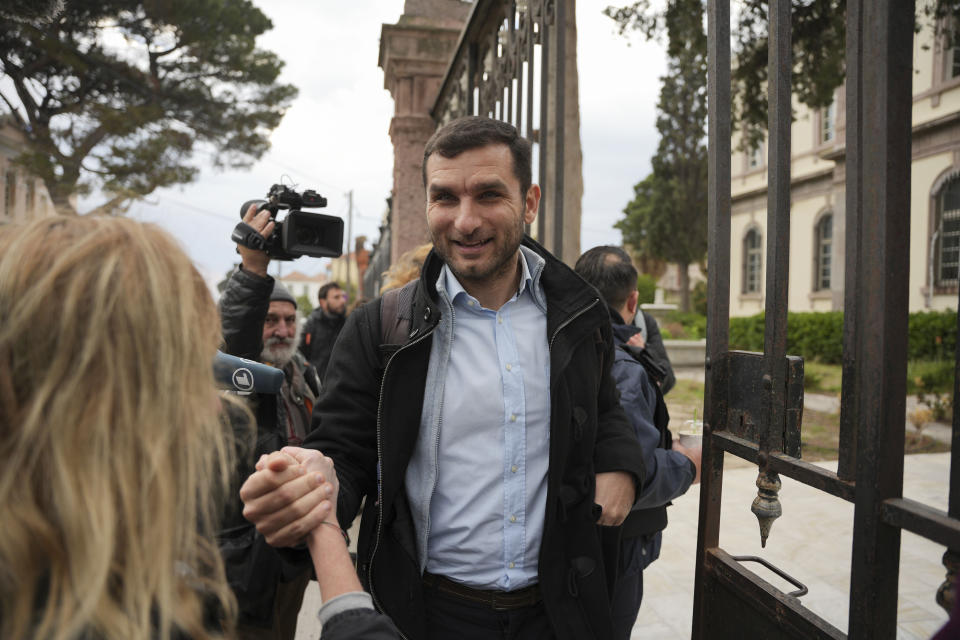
(376,543)
(569,320)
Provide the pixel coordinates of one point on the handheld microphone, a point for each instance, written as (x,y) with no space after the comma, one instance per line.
(245,376)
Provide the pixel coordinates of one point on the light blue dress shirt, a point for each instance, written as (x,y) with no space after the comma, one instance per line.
(486,511)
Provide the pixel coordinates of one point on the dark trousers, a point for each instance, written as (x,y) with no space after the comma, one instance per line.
(635,555)
(448,617)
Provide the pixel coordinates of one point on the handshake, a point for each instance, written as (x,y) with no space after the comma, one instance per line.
(291,494)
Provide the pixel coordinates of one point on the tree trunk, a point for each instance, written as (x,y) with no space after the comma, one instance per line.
(61,198)
(683,279)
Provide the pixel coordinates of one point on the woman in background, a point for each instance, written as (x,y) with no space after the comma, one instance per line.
(116,458)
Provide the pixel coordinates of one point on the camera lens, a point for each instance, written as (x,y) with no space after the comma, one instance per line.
(307,235)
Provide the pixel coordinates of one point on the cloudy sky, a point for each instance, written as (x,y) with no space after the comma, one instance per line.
(335,138)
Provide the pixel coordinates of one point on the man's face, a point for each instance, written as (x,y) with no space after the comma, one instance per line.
(476,213)
(279,333)
(335,303)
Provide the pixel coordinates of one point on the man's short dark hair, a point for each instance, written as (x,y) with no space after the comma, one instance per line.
(473,132)
(325,289)
(610,270)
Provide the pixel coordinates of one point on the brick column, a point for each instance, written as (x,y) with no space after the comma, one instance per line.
(414,55)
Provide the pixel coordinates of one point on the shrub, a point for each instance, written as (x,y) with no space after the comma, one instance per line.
(685,325)
(647,288)
(819,335)
(930,376)
(698,298)
(933,335)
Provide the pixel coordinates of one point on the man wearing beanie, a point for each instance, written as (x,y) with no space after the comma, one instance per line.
(259,319)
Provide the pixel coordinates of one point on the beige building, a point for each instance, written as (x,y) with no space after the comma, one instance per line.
(24,195)
(817,233)
(300,284)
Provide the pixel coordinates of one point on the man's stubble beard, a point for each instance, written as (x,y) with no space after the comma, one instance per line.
(503,262)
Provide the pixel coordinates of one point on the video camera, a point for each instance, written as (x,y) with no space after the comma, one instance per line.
(301,233)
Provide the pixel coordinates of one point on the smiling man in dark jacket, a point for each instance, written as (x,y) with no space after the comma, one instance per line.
(489,440)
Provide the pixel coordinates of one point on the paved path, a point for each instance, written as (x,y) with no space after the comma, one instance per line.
(811,541)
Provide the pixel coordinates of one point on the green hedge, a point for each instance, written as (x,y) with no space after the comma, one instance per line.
(819,335)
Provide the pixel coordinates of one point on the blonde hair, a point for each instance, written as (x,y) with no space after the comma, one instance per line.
(406,268)
(115,455)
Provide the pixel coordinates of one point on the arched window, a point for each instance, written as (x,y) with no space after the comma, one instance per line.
(752,261)
(823,267)
(947,231)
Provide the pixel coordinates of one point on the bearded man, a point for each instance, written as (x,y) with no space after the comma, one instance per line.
(259,320)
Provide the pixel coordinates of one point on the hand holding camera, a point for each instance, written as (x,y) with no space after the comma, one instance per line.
(256,260)
(300,233)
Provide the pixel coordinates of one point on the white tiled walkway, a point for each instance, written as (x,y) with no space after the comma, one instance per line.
(811,541)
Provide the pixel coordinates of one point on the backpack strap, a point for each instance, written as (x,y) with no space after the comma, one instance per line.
(395,313)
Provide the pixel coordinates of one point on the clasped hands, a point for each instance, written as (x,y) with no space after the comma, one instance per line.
(292,491)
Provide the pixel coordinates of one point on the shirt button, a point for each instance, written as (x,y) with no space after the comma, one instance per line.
(509,367)
(513,518)
(511,566)
(513,417)
(471,302)
(499,320)
(513,469)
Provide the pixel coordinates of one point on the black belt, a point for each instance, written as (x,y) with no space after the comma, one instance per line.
(498,600)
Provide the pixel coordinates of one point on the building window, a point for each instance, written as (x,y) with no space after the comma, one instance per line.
(824,263)
(755,157)
(31,195)
(952,59)
(948,234)
(828,122)
(752,261)
(9,192)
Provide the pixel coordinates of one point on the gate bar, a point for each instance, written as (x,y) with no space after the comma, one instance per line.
(560,26)
(779,120)
(846,465)
(883,60)
(718,293)
(932,524)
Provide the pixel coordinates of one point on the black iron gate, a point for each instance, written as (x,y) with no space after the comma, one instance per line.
(753,402)
(509,65)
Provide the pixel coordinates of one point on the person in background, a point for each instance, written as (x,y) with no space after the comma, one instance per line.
(323,325)
(648,338)
(671,468)
(405,269)
(259,320)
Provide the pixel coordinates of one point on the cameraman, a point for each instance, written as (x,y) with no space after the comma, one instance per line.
(259,320)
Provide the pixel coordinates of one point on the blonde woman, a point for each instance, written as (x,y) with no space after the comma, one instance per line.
(115,455)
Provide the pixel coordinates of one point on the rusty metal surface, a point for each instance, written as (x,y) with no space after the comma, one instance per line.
(748,399)
(753,407)
(744,606)
(509,64)
(885,67)
(805,472)
(923,520)
(802,589)
(718,295)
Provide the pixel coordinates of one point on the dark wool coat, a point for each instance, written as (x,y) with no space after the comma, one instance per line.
(368,417)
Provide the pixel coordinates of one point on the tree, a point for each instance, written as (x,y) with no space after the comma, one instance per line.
(118,94)
(668,216)
(819,50)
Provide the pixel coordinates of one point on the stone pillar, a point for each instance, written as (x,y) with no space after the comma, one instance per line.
(414,55)
(572,153)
